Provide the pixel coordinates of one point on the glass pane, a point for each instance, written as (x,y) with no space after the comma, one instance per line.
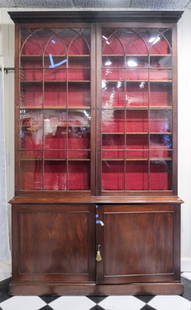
(160,75)
(55,95)
(78,175)
(55,175)
(54,130)
(157,42)
(136,146)
(31,129)
(79,138)
(136,61)
(113,121)
(160,94)
(31,95)
(160,121)
(113,61)
(137,122)
(137,175)
(137,94)
(56,115)
(137,74)
(79,95)
(160,175)
(113,176)
(31,169)
(113,94)
(28,75)
(161,61)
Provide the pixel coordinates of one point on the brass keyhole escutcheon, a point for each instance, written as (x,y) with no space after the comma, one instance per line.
(98,254)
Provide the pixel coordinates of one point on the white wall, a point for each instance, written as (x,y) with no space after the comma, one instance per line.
(184,133)
(184,122)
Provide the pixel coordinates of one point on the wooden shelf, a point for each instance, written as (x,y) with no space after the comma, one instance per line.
(55,159)
(136,133)
(138,108)
(138,159)
(54,108)
(47,56)
(137,55)
(138,81)
(54,81)
(138,67)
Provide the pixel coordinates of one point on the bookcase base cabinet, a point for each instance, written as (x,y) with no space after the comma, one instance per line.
(55,245)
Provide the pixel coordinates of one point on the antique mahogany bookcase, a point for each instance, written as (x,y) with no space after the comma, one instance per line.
(96,210)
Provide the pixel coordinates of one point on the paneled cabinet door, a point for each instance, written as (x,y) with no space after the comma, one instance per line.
(138,243)
(54,242)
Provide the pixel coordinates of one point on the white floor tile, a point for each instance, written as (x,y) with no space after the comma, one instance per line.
(121,303)
(173,302)
(72,303)
(186,275)
(23,303)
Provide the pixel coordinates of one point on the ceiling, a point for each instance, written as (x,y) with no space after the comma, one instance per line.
(98,4)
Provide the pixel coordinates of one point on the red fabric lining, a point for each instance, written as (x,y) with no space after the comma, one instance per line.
(55,175)
(31,96)
(79,176)
(137,177)
(159,176)
(78,95)
(31,175)
(55,95)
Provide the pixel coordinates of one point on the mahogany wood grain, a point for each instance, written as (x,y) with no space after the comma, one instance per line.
(54,243)
(60,199)
(143,242)
(55,288)
(54,234)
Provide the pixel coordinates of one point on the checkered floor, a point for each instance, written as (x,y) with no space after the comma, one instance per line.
(169,302)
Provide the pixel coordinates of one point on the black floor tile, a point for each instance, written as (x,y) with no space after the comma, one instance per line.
(145,298)
(97,299)
(4,290)
(45,308)
(147,307)
(187,288)
(97,308)
(48,298)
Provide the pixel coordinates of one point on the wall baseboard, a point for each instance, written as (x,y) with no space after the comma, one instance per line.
(5,270)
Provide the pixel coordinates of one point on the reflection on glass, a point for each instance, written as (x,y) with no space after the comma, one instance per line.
(31,170)
(160,94)
(134,61)
(137,74)
(31,95)
(137,94)
(31,129)
(161,61)
(113,121)
(113,94)
(79,118)
(160,121)
(160,175)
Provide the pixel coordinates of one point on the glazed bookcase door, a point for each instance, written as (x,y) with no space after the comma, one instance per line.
(136,110)
(54,109)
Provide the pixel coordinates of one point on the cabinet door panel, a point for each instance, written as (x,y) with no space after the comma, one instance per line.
(139,243)
(55,242)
